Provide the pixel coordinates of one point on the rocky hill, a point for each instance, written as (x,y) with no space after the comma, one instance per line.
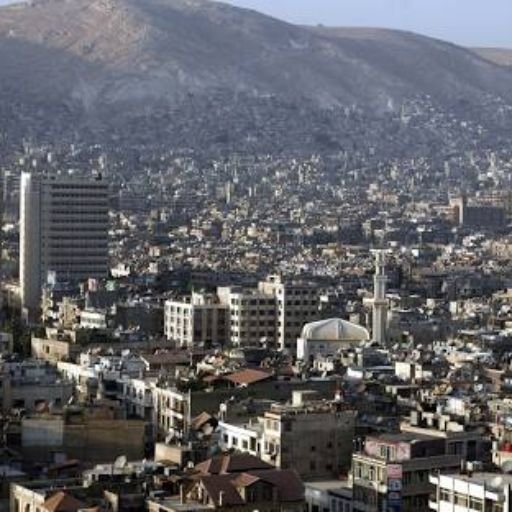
(500,56)
(92,66)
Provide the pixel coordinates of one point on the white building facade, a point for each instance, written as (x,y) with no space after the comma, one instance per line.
(200,320)
(478,491)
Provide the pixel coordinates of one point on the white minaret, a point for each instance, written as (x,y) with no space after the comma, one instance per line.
(380,304)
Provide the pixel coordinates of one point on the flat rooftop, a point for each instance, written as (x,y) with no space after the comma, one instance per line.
(490,480)
(404,437)
(339,488)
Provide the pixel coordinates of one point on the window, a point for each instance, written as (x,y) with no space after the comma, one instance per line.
(387,452)
(460,499)
(476,504)
(445,495)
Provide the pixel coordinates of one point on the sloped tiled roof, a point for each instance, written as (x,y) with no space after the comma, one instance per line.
(248,376)
(245,480)
(233,463)
(225,488)
(289,485)
(217,485)
(200,420)
(62,502)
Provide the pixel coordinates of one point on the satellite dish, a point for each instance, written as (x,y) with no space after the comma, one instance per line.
(120,462)
(497,482)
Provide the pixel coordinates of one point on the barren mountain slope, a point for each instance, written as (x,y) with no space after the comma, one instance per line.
(75,61)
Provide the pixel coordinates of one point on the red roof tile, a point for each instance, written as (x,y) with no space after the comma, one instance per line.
(248,376)
(62,502)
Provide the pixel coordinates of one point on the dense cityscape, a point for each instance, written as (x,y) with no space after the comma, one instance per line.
(258,309)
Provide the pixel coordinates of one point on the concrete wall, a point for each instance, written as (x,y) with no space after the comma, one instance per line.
(92,440)
(317,446)
(32,394)
(36,432)
(104,440)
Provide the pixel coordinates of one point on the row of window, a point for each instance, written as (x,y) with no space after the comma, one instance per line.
(76,236)
(463,500)
(288,302)
(65,195)
(80,220)
(99,230)
(243,444)
(79,204)
(301,291)
(252,323)
(78,186)
(252,302)
(84,248)
(260,312)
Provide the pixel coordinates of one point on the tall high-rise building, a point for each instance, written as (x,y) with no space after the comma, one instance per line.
(380,303)
(63,231)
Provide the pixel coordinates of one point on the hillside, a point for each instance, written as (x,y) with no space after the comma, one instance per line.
(500,56)
(85,65)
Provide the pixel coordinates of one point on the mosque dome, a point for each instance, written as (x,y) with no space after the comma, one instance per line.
(334,329)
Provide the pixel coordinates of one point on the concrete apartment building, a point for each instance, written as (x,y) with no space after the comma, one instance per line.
(171,412)
(313,437)
(273,314)
(31,384)
(394,469)
(252,316)
(63,232)
(471,491)
(297,303)
(198,320)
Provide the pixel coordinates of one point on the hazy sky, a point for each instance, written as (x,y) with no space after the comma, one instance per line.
(469,22)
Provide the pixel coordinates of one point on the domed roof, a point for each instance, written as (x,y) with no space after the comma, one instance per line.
(334,329)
